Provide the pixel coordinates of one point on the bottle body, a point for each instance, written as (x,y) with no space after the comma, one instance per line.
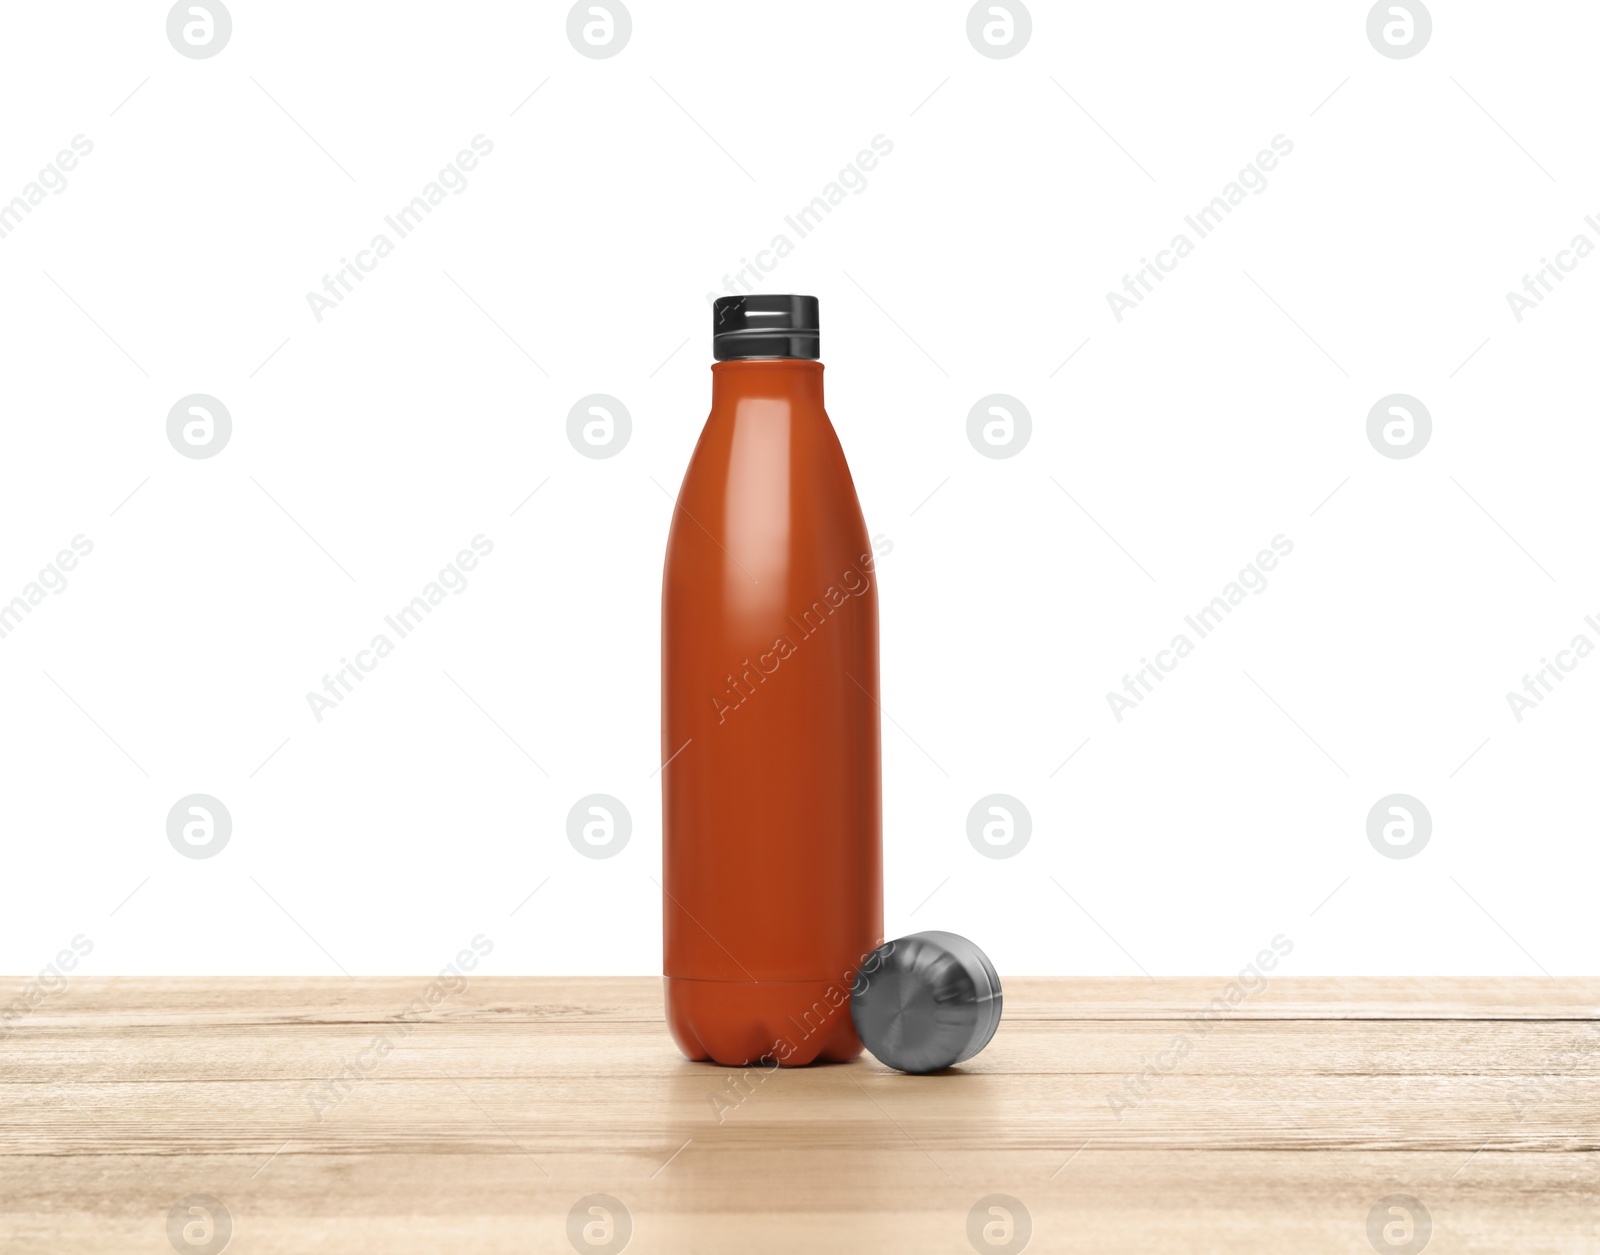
(771,800)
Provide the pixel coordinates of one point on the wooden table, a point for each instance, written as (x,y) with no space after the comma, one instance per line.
(321,1118)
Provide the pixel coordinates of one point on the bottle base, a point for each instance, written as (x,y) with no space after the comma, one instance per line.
(741,1023)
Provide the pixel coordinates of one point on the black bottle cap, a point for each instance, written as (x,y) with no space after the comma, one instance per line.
(925,1002)
(744,327)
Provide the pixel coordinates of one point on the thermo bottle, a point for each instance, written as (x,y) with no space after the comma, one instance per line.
(771,793)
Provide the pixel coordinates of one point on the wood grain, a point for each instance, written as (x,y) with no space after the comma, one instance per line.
(488,1116)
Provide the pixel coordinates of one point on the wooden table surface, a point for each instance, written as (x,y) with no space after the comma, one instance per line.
(321,1118)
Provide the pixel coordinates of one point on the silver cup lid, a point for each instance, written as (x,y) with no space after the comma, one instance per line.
(925,1002)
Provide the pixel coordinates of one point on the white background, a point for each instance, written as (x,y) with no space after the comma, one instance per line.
(426,407)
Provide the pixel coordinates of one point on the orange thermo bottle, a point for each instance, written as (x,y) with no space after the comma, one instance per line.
(771,801)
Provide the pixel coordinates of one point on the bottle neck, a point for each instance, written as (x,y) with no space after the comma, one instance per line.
(795,380)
